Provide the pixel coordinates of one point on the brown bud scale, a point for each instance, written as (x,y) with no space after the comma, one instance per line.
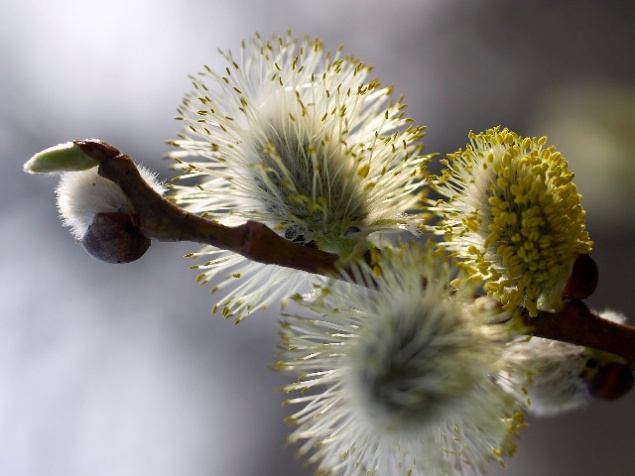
(115,238)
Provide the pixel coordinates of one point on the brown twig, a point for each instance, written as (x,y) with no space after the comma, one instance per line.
(577,324)
(161,220)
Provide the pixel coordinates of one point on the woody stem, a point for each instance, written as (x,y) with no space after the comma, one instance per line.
(162,220)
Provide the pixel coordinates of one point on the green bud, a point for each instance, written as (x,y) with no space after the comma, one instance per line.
(67,157)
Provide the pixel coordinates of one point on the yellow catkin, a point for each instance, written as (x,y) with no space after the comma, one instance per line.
(513,215)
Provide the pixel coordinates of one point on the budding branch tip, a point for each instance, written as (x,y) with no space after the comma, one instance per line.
(160,219)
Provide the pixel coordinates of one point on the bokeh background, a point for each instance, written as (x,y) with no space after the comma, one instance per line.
(122,370)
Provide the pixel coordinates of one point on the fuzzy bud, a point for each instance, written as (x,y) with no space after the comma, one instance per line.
(101,217)
(560,377)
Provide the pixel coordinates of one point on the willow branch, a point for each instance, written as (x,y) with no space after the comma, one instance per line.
(577,324)
(162,220)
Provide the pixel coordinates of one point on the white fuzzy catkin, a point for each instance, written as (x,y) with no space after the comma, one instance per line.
(398,379)
(303,140)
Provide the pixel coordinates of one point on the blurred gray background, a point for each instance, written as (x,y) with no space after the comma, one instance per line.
(121,370)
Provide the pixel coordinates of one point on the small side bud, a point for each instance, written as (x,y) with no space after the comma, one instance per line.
(552,375)
(612,381)
(115,238)
(583,279)
(67,157)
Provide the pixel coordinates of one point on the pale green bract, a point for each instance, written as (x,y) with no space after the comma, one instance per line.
(66,157)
